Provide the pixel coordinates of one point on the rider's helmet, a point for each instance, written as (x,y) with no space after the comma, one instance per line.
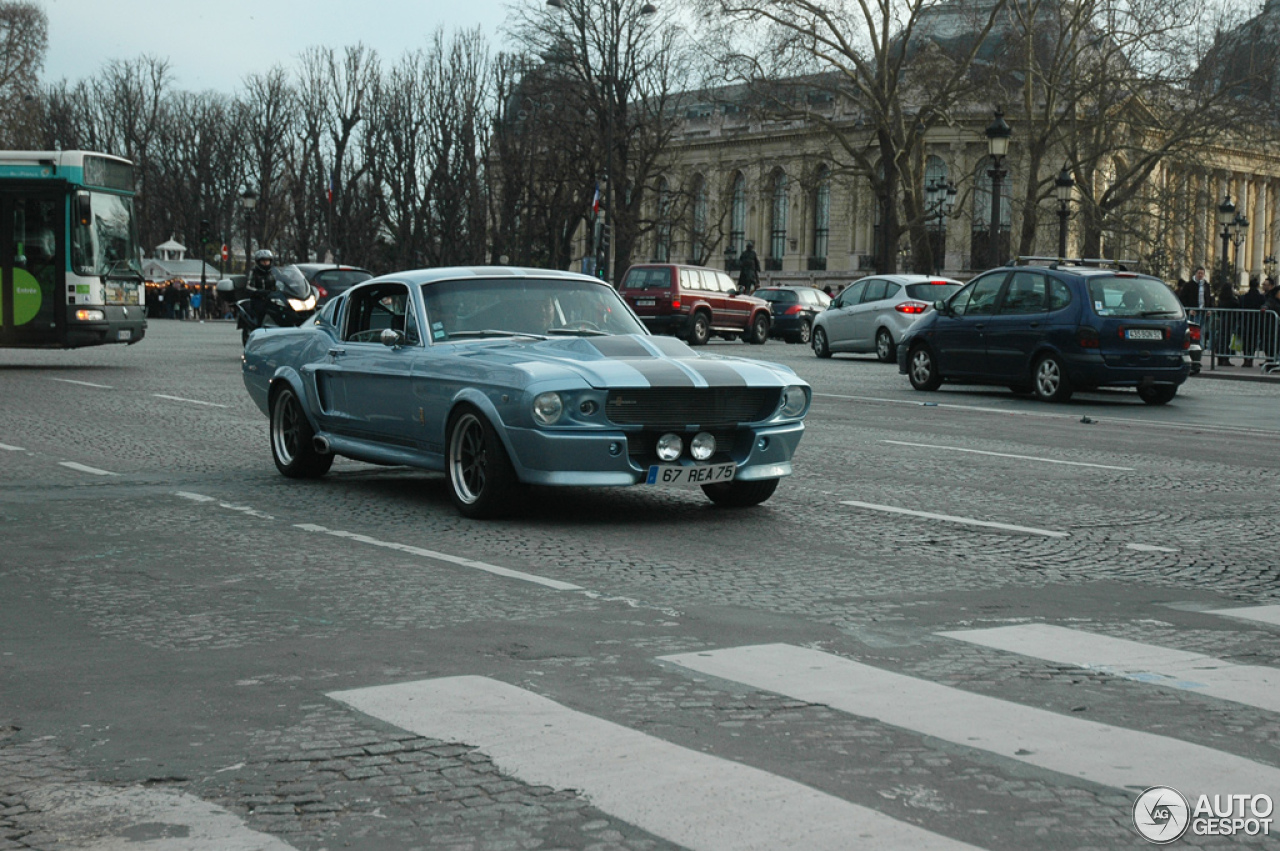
(263,258)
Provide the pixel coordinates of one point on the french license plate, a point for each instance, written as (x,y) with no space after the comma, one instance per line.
(125,334)
(1144,334)
(673,475)
(645,302)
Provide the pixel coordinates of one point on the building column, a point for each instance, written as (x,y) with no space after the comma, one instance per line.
(1259,221)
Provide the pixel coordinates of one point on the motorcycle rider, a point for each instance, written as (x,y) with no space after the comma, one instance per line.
(261,281)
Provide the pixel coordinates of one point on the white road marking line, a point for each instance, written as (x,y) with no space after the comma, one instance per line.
(1101,753)
(194,497)
(191,401)
(1262,614)
(693,799)
(967,521)
(1150,548)
(438,556)
(1009,455)
(7,448)
(83,469)
(88,815)
(83,383)
(1251,685)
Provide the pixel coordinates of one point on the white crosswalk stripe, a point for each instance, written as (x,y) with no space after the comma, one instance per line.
(1113,756)
(1248,684)
(1261,614)
(697,800)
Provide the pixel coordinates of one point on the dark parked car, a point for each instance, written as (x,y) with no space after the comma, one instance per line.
(501,376)
(1054,329)
(794,309)
(692,302)
(332,279)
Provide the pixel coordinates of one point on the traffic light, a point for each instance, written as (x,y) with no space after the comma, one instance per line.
(204,231)
(605,238)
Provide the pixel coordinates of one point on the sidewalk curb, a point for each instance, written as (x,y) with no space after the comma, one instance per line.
(1218,374)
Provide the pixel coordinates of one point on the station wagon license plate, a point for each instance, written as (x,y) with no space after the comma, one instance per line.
(1144,334)
(645,302)
(674,475)
(124,334)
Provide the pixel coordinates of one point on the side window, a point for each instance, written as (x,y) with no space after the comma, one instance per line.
(851,294)
(892,290)
(1059,294)
(374,309)
(726,283)
(411,335)
(1026,294)
(874,291)
(980,297)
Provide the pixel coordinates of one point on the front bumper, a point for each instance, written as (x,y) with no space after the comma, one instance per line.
(675,324)
(601,458)
(122,324)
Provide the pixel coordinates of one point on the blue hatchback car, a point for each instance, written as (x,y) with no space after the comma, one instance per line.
(1053,329)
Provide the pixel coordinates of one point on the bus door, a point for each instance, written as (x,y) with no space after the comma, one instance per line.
(32,265)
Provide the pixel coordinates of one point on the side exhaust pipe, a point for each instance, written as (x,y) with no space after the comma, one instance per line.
(321,444)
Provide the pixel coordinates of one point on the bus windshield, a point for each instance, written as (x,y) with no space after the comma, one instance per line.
(109,245)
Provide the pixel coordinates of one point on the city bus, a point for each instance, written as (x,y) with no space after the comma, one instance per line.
(70,269)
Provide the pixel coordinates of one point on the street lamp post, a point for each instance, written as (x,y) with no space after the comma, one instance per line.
(998,133)
(941,200)
(248,200)
(1239,233)
(1226,215)
(608,79)
(1064,185)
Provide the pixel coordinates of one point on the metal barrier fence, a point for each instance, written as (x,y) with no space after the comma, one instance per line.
(1253,335)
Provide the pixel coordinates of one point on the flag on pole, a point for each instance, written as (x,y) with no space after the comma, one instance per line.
(595,202)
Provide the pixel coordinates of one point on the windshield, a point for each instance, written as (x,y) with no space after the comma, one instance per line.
(289,281)
(777,296)
(109,244)
(525,306)
(1133,297)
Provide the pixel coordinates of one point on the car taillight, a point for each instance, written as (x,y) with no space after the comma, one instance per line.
(1087,337)
(1193,333)
(793,310)
(323,292)
(911,307)
(675,303)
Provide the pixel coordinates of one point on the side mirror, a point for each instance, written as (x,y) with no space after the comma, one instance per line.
(84,209)
(943,307)
(391,337)
(226,285)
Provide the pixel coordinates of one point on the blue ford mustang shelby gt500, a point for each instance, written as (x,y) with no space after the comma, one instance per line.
(499,376)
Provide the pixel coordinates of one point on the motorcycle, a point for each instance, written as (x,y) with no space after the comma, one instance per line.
(290,303)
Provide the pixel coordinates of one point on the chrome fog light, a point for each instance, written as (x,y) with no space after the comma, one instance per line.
(547,408)
(703,446)
(669,447)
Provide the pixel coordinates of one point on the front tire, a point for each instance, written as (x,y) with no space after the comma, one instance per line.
(291,439)
(740,494)
(922,369)
(805,334)
(886,349)
(821,347)
(1049,380)
(758,333)
(701,330)
(481,478)
(1159,394)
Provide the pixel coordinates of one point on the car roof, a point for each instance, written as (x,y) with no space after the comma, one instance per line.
(320,267)
(793,287)
(910,279)
(453,273)
(1080,267)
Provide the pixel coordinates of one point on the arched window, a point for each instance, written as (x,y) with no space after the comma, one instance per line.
(662,234)
(778,223)
(821,220)
(738,216)
(988,249)
(935,175)
(698,222)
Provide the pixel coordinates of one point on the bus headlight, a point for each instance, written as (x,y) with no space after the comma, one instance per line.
(794,401)
(547,408)
(90,316)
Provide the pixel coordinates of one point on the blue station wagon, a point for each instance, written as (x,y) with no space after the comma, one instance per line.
(503,376)
(1052,330)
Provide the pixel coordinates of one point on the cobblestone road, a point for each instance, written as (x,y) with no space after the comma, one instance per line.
(173,623)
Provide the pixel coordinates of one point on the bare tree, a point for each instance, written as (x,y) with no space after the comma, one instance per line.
(267,116)
(24,38)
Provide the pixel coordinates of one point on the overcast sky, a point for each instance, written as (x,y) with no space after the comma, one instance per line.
(212,44)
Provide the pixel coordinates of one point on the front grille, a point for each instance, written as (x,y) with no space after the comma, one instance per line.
(682,406)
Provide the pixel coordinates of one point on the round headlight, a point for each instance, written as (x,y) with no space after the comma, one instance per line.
(703,446)
(669,446)
(547,408)
(794,401)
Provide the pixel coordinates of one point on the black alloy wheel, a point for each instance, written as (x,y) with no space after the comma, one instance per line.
(292,438)
(758,333)
(820,345)
(922,369)
(740,494)
(481,478)
(701,331)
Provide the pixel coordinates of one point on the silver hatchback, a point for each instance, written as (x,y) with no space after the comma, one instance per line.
(872,314)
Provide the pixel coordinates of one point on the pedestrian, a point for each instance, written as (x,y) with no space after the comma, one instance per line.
(197,299)
(1271,324)
(170,299)
(1227,330)
(1197,298)
(1251,320)
(749,269)
(827,289)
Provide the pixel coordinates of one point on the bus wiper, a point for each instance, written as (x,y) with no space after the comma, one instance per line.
(493,332)
(115,265)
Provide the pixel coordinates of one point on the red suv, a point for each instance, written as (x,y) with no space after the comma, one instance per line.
(693,302)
